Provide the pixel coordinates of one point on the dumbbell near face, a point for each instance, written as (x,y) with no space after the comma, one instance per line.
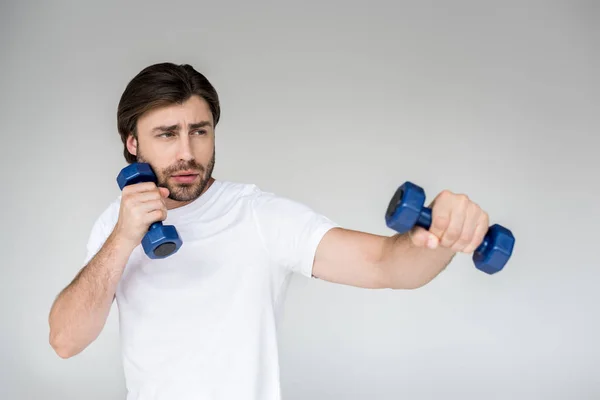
(161,240)
(406,210)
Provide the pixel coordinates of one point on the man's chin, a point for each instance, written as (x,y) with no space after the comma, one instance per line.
(183,199)
(185,192)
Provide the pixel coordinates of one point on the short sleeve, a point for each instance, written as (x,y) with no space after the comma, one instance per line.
(101,229)
(291,231)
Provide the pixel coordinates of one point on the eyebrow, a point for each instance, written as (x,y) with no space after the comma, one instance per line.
(177,127)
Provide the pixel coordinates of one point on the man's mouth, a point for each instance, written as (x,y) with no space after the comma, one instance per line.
(185,176)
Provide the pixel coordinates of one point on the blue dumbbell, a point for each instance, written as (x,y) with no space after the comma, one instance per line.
(161,240)
(406,210)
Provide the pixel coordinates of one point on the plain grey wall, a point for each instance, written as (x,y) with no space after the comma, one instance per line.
(334,104)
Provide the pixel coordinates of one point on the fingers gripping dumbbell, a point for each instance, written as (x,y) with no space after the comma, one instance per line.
(161,240)
(406,210)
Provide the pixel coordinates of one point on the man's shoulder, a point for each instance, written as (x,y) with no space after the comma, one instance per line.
(240,190)
(262,201)
(102,227)
(110,214)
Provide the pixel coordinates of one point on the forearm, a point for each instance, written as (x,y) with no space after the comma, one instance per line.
(81,309)
(408,266)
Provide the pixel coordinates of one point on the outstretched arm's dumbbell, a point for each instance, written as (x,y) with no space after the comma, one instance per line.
(406,210)
(161,240)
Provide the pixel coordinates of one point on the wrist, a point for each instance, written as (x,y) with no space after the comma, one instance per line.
(121,242)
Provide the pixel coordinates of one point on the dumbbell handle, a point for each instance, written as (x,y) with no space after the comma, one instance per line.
(424,222)
(155,225)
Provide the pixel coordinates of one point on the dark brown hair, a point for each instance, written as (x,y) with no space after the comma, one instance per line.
(159,85)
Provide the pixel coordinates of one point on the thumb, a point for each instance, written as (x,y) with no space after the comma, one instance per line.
(163,191)
(423,238)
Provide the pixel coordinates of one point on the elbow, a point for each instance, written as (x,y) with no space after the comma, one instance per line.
(61,347)
(63,351)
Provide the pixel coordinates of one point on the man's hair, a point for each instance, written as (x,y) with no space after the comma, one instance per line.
(160,85)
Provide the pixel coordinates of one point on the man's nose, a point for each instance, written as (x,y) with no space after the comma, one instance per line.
(184,151)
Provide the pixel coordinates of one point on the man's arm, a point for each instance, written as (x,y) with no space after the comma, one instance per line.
(79,312)
(406,261)
(370,261)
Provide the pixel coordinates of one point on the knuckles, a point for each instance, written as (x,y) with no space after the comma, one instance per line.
(440,222)
(463,200)
(465,238)
(452,234)
(449,200)
(485,218)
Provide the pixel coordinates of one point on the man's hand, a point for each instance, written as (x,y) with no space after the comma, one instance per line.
(457,224)
(141,205)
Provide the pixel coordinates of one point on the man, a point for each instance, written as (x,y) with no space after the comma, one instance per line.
(202,323)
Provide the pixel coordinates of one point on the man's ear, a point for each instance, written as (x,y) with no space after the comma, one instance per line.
(132,144)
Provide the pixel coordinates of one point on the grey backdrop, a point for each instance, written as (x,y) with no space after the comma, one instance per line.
(333,104)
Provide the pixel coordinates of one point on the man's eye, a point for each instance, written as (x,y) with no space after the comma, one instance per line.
(165,134)
(201,132)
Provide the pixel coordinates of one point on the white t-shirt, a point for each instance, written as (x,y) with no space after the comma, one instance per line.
(203,323)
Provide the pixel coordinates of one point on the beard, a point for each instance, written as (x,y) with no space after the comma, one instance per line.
(183,191)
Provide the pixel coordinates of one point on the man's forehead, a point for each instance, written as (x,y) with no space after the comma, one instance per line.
(177,115)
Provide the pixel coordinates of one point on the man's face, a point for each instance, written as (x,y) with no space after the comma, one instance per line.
(178,141)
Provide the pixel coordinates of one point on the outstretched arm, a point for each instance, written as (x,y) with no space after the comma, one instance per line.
(402,261)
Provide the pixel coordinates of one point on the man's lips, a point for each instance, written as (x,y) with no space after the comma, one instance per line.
(185,176)
(186,173)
